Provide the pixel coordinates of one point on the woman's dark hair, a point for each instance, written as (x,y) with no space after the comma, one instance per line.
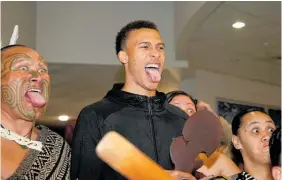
(236,123)
(172,94)
(275,147)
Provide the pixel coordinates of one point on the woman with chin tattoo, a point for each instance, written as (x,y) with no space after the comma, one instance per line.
(252,129)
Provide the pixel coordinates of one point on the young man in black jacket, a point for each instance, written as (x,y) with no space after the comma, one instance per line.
(134,109)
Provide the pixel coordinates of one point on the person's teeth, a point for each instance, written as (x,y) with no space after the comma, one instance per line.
(34,90)
(152,66)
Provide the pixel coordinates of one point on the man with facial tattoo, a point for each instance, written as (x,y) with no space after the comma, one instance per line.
(135,109)
(28,151)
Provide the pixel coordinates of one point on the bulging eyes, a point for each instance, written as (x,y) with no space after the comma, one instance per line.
(255,131)
(40,71)
(271,130)
(190,111)
(23,68)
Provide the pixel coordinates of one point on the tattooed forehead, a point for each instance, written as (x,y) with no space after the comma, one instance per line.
(42,62)
(8,61)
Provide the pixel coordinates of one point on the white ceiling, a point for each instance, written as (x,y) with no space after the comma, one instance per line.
(215,45)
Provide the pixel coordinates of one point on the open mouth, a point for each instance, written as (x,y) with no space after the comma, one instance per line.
(153,71)
(35,97)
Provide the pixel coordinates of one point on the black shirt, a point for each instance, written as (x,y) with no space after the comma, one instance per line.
(147,122)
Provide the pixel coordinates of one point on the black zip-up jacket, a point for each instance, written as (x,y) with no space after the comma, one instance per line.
(147,122)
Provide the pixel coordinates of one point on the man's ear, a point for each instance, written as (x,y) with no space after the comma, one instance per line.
(123,58)
(236,142)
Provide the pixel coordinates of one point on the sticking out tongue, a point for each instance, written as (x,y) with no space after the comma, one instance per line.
(154,74)
(36,99)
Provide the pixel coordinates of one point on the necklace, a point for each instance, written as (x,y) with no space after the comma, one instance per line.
(21,140)
(28,134)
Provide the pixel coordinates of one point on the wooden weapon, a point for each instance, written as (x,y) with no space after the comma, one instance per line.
(201,134)
(129,161)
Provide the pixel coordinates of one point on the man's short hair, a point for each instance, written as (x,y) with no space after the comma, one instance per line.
(10,46)
(275,147)
(123,34)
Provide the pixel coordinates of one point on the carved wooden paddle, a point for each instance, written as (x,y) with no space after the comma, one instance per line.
(129,161)
(201,134)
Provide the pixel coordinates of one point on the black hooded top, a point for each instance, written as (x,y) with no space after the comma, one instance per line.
(147,122)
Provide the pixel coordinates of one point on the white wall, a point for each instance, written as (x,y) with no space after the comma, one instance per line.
(210,86)
(189,86)
(84,32)
(185,11)
(22,14)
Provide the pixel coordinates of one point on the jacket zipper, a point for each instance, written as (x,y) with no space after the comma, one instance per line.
(153,129)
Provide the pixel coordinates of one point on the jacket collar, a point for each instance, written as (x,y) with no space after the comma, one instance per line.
(138,101)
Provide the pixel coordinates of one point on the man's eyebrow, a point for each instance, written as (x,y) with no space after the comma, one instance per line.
(271,122)
(42,61)
(144,42)
(17,58)
(162,44)
(147,43)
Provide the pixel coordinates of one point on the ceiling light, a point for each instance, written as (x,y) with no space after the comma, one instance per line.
(238,25)
(63,118)
(265,44)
